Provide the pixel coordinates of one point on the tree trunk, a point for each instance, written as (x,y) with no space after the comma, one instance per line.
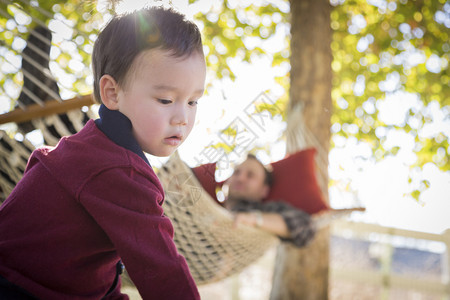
(303,273)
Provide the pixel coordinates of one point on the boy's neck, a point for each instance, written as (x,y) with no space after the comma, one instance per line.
(118,128)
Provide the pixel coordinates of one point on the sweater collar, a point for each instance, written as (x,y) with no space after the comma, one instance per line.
(118,128)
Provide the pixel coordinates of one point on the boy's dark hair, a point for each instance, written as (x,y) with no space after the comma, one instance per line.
(128,35)
(268,179)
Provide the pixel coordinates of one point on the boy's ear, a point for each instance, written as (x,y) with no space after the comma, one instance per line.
(108,92)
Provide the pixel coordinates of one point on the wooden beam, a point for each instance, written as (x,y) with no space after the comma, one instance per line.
(363,229)
(50,108)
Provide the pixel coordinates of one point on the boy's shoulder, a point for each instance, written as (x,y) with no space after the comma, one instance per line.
(88,145)
(85,154)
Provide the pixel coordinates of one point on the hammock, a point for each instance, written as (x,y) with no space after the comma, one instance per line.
(13,160)
(14,154)
(204,232)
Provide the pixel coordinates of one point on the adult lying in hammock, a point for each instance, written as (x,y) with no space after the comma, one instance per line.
(248,185)
(291,182)
(247,188)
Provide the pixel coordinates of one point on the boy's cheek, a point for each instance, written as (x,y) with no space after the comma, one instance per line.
(189,130)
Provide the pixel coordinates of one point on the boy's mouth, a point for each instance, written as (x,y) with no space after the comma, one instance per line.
(173,140)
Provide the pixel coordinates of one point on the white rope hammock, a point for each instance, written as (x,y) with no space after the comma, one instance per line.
(14,154)
(13,160)
(204,231)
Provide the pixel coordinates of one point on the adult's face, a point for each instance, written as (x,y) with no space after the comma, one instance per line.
(247,182)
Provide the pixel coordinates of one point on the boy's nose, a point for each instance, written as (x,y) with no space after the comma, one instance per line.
(180,117)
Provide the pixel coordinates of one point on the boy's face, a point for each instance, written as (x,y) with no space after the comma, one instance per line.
(160,99)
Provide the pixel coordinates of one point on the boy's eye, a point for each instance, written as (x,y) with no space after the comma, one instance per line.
(164,101)
(193,103)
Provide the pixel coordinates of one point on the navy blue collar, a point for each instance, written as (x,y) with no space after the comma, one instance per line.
(118,128)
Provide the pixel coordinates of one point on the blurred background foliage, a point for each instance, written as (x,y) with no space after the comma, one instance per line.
(383,51)
(77,23)
(379,48)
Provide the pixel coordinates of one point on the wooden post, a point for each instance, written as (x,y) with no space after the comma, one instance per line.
(445,277)
(387,251)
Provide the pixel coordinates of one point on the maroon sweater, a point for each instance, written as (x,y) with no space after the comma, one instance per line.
(81,207)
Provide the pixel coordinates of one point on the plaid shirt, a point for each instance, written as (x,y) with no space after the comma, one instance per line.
(298,222)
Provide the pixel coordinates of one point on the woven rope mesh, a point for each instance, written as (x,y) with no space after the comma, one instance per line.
(204,232)
(56,126)
(14,154)
(13,160)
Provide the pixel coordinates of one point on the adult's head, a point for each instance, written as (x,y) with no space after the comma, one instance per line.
(251,180)
(121,43)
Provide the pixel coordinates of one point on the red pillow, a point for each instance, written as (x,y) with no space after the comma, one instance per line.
(294,181)
(205,175)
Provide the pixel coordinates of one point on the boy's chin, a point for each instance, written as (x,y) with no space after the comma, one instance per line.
(165,152)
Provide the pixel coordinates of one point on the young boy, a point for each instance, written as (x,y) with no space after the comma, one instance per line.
(94,199)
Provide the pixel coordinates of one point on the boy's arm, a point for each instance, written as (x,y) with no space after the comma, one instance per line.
(126,205)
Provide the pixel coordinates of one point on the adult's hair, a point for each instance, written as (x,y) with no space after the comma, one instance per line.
(268,176)
(126,36)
